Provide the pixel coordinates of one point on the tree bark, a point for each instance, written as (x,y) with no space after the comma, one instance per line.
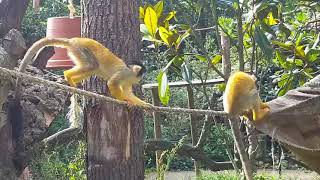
(114,133)
(238,140)
(11,14)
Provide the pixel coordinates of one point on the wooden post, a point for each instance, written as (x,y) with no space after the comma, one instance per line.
(193,126)
(156,121)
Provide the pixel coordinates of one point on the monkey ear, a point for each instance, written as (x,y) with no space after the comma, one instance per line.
(136,69)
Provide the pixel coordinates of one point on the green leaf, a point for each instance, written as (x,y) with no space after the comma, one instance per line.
(260,6)
(285,84)
(163,88)
(141,13)
(182,37)
(284,29)
(299,62)
(170,15)
(316,41)
(271,19)
(144,29)
(216,59)
(222,87)
(300,51)
(302,81)
(288,46)
(312,55)
(283,79)
(267,28)
(177,61)
(159,8)
(151,21)
(263,43)
(169,64)
(298,41)
(201,57)
(165,35)
(307,74)
(281,60)
(301,17)
(186,72)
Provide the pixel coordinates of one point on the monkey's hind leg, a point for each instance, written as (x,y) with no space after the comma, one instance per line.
(84,73)
(68,78)
(86,64)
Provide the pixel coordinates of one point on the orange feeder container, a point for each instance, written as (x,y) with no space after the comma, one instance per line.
(62,27)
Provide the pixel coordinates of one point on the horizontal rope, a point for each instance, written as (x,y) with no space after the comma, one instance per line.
(7,73)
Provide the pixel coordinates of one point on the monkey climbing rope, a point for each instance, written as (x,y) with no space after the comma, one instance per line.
(9,73)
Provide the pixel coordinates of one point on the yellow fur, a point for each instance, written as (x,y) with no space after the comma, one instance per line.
(92,58)
(241,95)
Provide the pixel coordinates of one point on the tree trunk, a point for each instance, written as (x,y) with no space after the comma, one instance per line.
(11,14)
(114,133)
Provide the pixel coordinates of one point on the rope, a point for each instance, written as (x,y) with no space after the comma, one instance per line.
(7,73)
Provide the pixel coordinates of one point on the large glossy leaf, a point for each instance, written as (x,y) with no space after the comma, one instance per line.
(163,88)
(151,21)
(186,72)
(165,35)
(159,8)
(263,43)
(216,59)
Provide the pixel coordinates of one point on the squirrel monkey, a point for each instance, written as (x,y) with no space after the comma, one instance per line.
(241,96)
(92,58)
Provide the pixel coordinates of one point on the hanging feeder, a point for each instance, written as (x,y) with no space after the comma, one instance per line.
(63,27)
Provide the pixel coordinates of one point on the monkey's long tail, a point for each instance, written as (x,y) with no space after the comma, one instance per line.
(32,52)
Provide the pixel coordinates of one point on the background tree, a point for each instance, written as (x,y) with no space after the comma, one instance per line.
(114,133)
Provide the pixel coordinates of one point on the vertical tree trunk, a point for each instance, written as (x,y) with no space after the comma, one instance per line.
(11,14)
(114,133)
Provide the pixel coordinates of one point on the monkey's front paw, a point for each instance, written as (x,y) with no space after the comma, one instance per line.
(146,104)
(70,82)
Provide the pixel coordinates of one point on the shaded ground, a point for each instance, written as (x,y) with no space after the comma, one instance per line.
(286,174)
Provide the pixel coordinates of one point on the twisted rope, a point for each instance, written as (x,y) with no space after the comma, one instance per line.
(7,73)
